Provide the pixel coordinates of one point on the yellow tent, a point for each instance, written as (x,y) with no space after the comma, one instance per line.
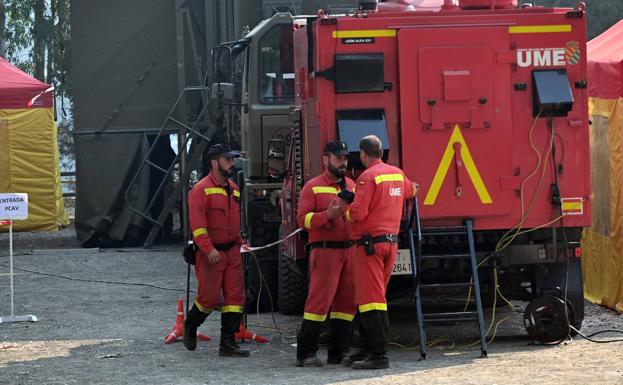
(28,149)
(602,260)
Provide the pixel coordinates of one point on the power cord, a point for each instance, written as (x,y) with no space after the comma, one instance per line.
(275,327)
(95,280)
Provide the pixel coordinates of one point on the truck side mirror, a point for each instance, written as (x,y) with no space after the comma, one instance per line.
(224,91)
(276,157)
(222,64)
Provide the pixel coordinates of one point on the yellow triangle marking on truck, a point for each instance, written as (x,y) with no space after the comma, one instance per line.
(470,166)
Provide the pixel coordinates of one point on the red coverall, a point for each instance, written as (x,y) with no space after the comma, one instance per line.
(380,194)
(215,220)
(331,284)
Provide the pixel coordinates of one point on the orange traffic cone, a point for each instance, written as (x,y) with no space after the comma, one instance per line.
(178,328)
(244,334)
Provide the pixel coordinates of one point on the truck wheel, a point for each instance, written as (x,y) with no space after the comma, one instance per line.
(292,282)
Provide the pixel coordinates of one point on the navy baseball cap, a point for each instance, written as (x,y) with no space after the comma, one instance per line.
(222,149)
(336,148)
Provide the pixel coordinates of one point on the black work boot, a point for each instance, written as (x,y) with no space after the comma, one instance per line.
(376,326)
(362,346)
(372,361)
(193,320)
(230,324)
(307,344)
(339,341)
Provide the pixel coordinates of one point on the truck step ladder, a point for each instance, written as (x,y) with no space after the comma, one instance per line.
(415,233)
(193,139)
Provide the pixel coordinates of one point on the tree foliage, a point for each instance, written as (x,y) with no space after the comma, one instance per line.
(35,36)
(602,14)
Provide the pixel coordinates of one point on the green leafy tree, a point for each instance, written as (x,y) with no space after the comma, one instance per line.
(35,36)
(602,14)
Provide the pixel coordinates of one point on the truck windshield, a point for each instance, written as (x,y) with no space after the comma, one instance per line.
(276,80)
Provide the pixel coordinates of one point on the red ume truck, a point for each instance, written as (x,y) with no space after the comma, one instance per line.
(484,104)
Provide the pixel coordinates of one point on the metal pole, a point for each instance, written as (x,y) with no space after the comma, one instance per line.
(13,317)
(11,265)
(187,289)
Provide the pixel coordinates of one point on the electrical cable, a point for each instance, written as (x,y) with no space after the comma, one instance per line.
(97,280)
(276,327)
(588,337)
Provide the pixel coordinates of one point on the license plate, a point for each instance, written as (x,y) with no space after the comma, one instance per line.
(402,266)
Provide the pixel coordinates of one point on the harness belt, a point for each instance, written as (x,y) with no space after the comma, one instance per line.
(368,241)
(224,246)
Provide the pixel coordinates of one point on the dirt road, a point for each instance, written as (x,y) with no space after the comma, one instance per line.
(94,332)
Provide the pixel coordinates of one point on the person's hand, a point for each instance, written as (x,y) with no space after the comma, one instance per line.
(334,210)
(214,256)
(344,205)
(416,188)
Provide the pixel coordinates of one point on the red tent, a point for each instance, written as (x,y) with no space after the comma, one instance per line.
(602,243)
(28,150)
(605,64)
(18,89)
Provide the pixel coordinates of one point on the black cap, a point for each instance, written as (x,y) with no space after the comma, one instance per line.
(337,148)
(221,149)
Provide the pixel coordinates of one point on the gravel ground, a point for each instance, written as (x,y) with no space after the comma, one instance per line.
(92,332)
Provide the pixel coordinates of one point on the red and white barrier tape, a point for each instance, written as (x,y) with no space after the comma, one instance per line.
(247,249)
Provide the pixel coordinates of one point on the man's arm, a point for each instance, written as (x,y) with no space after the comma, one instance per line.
(307,217)
(360,207)
(411,189)
(198,220)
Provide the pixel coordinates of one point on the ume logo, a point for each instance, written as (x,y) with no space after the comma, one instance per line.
(549,57)
(395,192)
(541,57)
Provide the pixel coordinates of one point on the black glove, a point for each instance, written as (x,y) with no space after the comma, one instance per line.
(189,253)
(346,195)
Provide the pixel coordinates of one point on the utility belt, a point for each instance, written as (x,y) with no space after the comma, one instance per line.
(190,249)
(368,241)
(224,246)
(330,245)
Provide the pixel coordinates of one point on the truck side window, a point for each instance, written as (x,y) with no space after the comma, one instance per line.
(276,72)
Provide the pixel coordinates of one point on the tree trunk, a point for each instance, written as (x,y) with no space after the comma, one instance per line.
(2,29)
(52,44)
(38,31)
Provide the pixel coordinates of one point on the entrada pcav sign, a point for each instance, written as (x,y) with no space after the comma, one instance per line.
(549,57)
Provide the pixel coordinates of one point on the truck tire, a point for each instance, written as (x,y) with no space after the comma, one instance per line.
(292,282)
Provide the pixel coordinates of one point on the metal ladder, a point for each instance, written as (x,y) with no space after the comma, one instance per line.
(415,233)
(184,163)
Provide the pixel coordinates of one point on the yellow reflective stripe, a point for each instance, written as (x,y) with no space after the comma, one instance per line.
(308,218)
(572,205)
(314,317)
(343,316)
(348,215)
(202,308)
(324,190)
(540,28)
(200,231)
(365,33)
(444,165)
(237,193)
(215,190)
(372,306)
(389,178)
(231,309)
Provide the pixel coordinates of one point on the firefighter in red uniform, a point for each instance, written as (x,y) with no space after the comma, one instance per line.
(215,223)
(331,287)
(375,215)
